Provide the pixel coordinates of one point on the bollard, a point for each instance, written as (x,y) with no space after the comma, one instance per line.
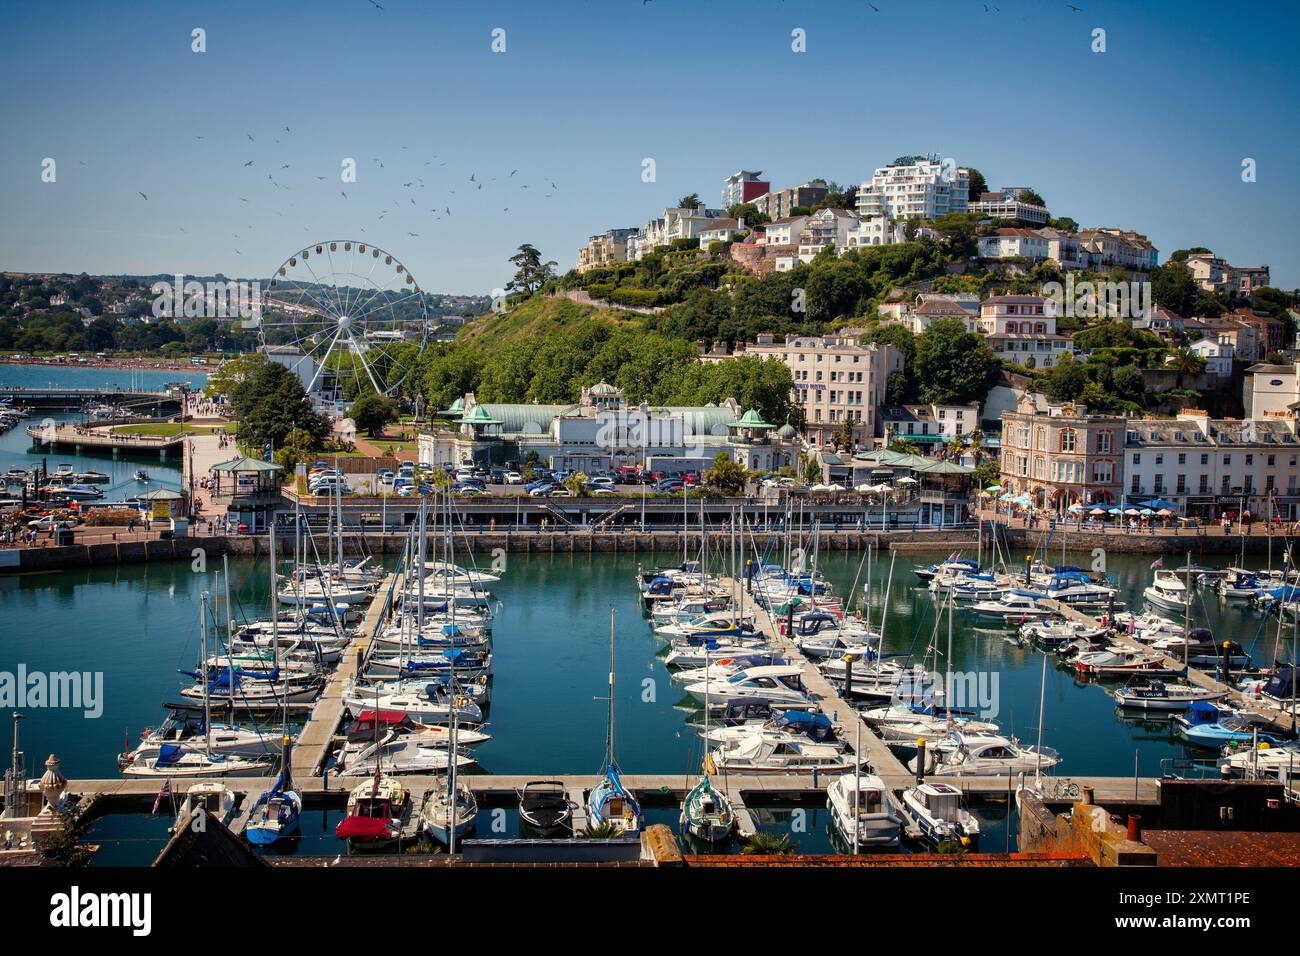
(1135,827)
(920,760)
(1087,796)
(361,659)
(848,676)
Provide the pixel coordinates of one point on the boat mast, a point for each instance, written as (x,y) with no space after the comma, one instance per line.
(1187,610)
(207,705)
(609,743)
(857,788)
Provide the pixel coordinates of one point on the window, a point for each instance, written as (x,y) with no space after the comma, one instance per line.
(1136,485)
(1067,439)
(1182,459)
(1104,441)
(1227,459)
(1205,459)
(1160,459)
(1137,459)
(1181,487)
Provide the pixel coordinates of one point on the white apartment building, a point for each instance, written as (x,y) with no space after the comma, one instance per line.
(1271,390)
(835,379)
(1209,466)
(1007,204)
(683,222)
(1012,243)
(1022,329)
(875,231)
(743,186)
(1218,353)
(924,190)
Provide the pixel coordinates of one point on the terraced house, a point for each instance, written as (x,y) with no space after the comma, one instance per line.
(1063,456)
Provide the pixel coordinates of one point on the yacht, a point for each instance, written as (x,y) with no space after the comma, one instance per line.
(178,760)
(190,730)
(765,752)
(1014,607)
(1168,590)
(983,755)
(864,809)
(1077,589)
(444,811)
(929,571)
(779,683)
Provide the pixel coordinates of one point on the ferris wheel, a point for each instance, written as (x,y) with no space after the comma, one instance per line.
(354,310)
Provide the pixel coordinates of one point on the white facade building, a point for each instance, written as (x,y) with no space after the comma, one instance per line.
(924,190)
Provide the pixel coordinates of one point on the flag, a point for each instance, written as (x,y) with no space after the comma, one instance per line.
(166,791)
(1158,562)
(268,451)
(709,766)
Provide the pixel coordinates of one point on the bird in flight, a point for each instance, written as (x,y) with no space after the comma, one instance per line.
(1074,8)
(345,195)
(375,5)
(513,171)
(874,7)
(250,137)
(249,163)
(146,198)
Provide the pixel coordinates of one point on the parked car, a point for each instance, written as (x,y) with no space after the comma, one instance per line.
(601,481)
(541,491)
(514,478)
(667,485)
(48,522)
(559,492)
(599,490)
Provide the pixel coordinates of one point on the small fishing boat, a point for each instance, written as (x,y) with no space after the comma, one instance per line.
(92,478)
(545,807)
(141,476)
(936,810)
(707,814)
(442,810)
(208,796)
(1239,585)
(377,813)
(1146,694)
(864,809)
(1207,724)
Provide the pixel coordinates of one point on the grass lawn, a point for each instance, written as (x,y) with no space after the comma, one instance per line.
(166,429)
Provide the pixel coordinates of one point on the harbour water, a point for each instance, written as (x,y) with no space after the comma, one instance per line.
(137,625)
(20,451)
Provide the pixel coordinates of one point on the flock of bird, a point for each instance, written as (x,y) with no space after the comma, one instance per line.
(439,210)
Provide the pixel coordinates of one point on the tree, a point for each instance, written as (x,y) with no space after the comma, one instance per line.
(231,373)
(904,446)
(1064,223)
(978,185)
(530,272)
(1032,196)
(726,476)
(689,202)
(270,403)
(576,483)
(371,413)
(954,366)
(1065,381)
(1185,362)
(842,434)
(1173,287)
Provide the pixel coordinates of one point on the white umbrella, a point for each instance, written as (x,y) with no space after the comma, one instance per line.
(906,481)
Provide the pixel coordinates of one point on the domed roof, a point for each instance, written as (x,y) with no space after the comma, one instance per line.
(787,431)
(604,388)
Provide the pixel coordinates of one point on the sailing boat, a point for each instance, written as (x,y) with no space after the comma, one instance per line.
(276,812)
(610,802)
(706,811)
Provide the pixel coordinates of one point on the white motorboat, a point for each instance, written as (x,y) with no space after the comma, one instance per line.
(687,609)
(694,656)
(178,760)
(766,752)
(983,755)
(1147,626)
(1262,760)
(1054,634)
(778,683)
(189,729)
(936,810)
(864,809)
(1145,694)
(1168,590)
(720,625)
(903,725)
(1014,607)
(441,572)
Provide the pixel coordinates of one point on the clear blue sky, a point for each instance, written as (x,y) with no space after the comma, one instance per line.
(1149,135)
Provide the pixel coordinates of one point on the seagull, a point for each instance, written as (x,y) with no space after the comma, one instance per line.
(415,234)
(375,5)
(471,177)
(874,7)
(146,198)
(1074,8)
(286,129)
(250,137)
(249,163)
(242,199)
(345,195)
(513,171)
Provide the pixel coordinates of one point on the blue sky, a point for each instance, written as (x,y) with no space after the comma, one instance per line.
(1149,135)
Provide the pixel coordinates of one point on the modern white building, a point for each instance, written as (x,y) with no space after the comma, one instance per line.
(1007,204)
(924,190)
(1218,354)
(743,186)
(1013,243)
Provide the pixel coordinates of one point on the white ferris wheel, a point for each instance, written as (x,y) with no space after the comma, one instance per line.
(353,309)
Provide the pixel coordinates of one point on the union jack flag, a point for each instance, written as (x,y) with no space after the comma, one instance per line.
(1158,562)
(165,792)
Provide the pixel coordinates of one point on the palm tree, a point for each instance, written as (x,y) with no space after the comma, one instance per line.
(601,831)
(1185,362)
(768,844)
